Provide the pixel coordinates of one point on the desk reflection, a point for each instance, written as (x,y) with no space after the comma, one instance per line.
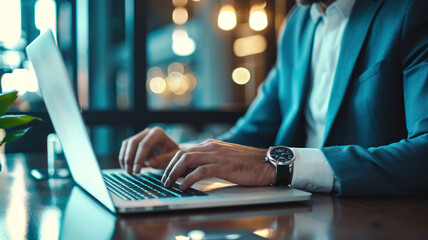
(86,219)
(57,208)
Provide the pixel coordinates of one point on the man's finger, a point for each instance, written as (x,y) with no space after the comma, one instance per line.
(171,164)
(161,161)
(131,148)
(202,147)
(122,153)
(130,154)
(154,138)
(189,160)
(202,172)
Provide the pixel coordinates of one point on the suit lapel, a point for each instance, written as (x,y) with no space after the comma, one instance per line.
(355,33)
(304,66)
(301,68)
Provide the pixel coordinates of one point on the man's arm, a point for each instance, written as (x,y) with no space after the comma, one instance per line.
(402,167)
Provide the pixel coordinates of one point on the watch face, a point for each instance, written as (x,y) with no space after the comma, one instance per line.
(282,155)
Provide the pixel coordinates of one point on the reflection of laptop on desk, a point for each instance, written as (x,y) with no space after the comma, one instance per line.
(116,190)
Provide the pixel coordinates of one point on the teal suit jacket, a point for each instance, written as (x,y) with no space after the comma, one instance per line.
(376,138)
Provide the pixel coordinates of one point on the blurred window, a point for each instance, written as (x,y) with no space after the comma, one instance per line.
(207,54)
(191,66)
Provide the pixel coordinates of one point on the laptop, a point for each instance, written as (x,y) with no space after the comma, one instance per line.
(113,188)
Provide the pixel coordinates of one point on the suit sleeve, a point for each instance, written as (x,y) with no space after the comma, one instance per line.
(259,126)
(400,168)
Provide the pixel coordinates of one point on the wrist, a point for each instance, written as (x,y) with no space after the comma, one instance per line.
(267,170)
(270,173)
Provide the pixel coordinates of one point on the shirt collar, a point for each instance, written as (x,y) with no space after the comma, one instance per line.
(343,6)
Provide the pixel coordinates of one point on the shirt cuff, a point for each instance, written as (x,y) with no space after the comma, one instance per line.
(311,171)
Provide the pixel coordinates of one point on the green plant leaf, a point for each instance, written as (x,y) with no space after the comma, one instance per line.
(7,99)
(14,136)
(10,121)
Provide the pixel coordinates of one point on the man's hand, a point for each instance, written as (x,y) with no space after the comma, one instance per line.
(151,147)
(232,162)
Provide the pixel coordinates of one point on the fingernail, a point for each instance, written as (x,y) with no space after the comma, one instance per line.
(166,184)
(182,186)
(135,170)
(147,163)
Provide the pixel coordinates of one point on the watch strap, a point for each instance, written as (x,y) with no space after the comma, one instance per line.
(282,175)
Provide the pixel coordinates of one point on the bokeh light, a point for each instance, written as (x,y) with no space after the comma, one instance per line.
(241,75)
(7,82)
(157,85)
(21,80)
(191,81)
(179,33)
(176,83)
(227,18)
(265,233)
(249,45)
(154,72)
(258,19)
(179,3)
(176,67)
(10,22)
(196,235)
(181,237)
(182,44)
(180,15)
(11,59)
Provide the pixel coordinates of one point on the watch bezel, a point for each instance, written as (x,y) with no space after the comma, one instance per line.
(276,162)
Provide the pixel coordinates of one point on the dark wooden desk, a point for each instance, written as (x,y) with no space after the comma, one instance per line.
(56,208)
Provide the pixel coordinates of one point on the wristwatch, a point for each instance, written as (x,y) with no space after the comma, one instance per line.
(282,158)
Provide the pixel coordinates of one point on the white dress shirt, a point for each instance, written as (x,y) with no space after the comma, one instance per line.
(312,172)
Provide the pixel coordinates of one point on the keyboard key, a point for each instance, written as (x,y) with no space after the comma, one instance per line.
(144,186)
(175,188)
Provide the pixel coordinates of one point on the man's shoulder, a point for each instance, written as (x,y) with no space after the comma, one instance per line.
(402,5)
(297,18)
(297,13)
(402,12)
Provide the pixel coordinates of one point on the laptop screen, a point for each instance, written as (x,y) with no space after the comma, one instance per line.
(64,112)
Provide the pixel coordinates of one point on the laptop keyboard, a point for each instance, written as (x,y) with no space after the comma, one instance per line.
(144,186)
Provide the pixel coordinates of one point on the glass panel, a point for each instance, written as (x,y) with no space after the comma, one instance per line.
(207,54)
(20,23)
(200,54)
(107,139)
(104,59)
